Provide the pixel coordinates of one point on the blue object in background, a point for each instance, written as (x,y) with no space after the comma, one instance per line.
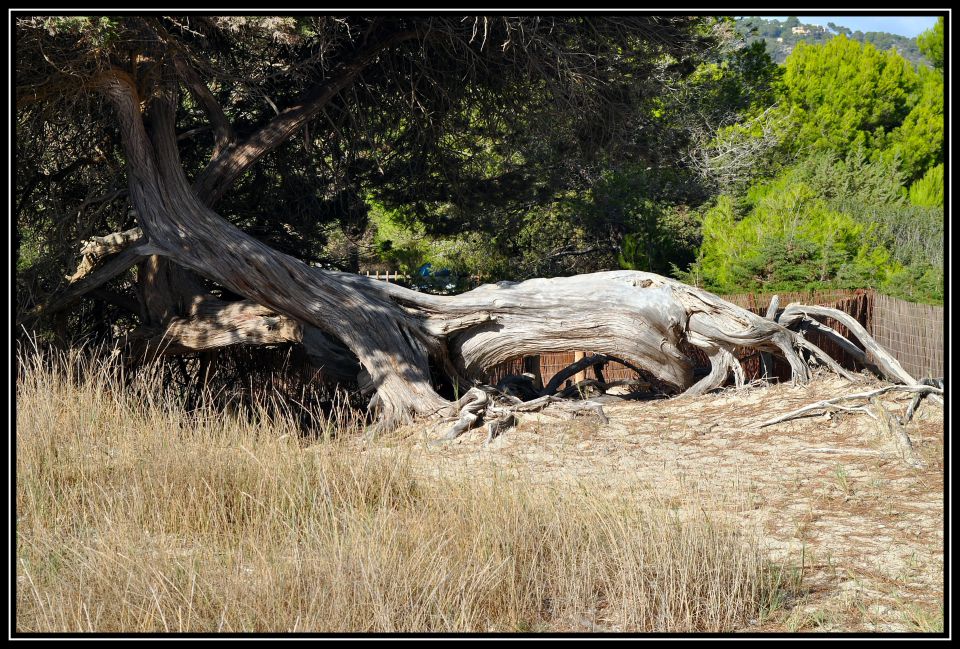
(424,271)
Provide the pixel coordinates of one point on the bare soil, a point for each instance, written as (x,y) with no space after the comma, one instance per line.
(860,531)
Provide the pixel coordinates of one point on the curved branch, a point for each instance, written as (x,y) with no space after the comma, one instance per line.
(88,279)
(570,370)
(887,364)
(185,230)
(222,130)
(232,161)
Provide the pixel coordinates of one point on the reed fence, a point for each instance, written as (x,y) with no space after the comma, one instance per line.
(913,333)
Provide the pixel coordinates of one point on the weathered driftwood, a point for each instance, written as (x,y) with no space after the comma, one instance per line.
(472,405)
(393,340)
(829,405)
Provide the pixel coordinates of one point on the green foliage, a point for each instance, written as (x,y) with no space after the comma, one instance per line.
(928,191)
(930,43)
(861,205)
(790,239)
(28,248)
(845,94)
(852,181)
(96,32)
(827,222)
(918,141)
(633,217)
(401,243)
(747,79)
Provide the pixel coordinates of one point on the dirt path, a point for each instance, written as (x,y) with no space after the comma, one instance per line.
(860,530)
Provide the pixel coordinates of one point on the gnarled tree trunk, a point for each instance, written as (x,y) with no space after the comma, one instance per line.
(391,336)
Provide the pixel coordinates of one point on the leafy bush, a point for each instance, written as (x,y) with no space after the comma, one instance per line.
(789,239)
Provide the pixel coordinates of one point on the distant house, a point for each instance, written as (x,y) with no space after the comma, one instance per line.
(779,39)
(800,30)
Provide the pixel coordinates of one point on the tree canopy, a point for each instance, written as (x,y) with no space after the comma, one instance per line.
(841,182)
(296,126)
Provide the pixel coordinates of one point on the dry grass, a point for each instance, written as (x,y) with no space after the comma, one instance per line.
(133,515)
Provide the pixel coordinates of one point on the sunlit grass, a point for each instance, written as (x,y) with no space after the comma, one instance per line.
(133,515)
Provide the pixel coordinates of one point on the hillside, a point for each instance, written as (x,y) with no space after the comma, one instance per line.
(782,37)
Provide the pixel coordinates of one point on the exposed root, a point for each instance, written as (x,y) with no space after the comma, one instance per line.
(821,357)
(890,424)
(893,427)
(499,425)
(499,410)
(721,362)
(915,403)
(472,405)
(830,405)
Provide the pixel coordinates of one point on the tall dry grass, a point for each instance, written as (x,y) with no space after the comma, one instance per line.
(133,515)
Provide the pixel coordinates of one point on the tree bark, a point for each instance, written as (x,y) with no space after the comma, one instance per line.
(388,341)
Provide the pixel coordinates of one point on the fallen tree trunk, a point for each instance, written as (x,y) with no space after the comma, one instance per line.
(401,340)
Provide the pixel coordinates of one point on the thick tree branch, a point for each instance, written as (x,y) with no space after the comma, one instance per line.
(225,167)
(385,339)
(222,130)
(103,258)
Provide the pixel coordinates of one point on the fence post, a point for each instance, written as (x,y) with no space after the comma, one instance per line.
(582,374)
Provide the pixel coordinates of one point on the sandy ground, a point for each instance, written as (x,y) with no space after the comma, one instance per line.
(831,497)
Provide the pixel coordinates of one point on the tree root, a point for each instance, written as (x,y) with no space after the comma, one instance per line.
(834,404)
(893,427)
(915,403)
(472,405)
(499,410)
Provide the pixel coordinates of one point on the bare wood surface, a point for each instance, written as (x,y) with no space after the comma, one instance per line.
(887,363)
(834,404)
